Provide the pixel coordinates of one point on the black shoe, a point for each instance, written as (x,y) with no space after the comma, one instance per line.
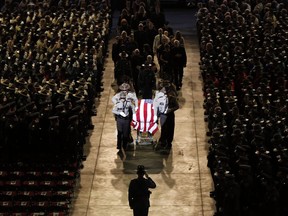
(90,127)
(120,154)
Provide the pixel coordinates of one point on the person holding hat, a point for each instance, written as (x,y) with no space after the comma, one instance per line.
(139,194)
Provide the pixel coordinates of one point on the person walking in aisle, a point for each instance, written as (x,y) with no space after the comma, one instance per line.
(124,105)
(179,61)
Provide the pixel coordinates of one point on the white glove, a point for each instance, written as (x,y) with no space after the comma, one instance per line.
(155,119)
(123,114)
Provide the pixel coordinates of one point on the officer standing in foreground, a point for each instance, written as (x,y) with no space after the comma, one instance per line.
(139,194)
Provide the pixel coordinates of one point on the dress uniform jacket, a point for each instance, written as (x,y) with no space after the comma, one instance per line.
(122,107)
(122,110)
(160,103)
(139,193)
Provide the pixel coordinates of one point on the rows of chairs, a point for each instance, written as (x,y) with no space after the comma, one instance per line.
(38,189)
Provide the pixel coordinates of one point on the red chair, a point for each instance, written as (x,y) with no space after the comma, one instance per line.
(8,195)
(50,175)
(16,175)
(19,214)
(43,195)
(3,175)
(63,195)
(21,206)
(25,195)
(6,206)
(33,175)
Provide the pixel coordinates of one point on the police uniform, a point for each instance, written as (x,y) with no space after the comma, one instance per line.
(139,194)
(160,103)
(167,118)
(122,109)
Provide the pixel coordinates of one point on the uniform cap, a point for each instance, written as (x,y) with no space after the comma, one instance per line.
(24,92)
(34,115)
(66,101)
(81,81)
(11,87)
(51,82)
(80,102)
(73,118)
(76,109)
(123,54)
(79,95)
(164,83)
(4,82)
(44,92)
(231,100)
(66,83)
(53,118)
(21,80)
(62,91)
(124,87)
(60,106)
(140,169)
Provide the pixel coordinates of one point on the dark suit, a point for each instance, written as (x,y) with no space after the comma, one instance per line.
(179,60)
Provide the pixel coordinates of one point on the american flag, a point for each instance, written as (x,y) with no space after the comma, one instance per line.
(144,119)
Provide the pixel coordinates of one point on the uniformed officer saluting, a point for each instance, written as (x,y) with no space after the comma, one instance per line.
(122,109)
(139,194)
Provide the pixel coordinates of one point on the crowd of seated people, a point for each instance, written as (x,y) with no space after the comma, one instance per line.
(51,66)
(244,68)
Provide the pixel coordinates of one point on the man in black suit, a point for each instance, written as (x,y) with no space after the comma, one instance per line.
(179,59)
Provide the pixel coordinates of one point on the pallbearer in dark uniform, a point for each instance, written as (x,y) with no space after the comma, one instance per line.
(168,124)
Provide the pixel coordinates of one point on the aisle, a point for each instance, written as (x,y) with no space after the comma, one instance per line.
(182,177)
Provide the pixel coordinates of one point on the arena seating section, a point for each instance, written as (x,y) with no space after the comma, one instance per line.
(244,68)
(52,61)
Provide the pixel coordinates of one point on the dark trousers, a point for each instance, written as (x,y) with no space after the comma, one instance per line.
(178,76)
(140,211)
(123,129)
(167,130)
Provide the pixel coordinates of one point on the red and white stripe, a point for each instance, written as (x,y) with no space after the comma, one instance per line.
(144,120)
